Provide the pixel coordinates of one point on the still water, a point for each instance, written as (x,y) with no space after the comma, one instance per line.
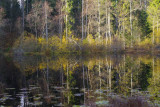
(80,81)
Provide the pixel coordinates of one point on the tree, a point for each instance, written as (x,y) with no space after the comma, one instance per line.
(1,16)
(38,18)
(154,14)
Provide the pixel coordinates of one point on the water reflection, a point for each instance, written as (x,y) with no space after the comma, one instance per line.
(112,80)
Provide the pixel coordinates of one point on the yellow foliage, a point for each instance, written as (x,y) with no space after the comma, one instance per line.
(90,39)
(41,40)
(147,42)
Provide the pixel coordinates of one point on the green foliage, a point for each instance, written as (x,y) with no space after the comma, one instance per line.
(146,74)
(114,19)
(143,23)
(11,12)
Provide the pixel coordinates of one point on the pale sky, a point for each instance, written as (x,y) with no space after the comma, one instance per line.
(20,2)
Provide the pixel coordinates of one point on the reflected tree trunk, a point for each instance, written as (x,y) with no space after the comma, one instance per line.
(153,62)
(131,81)
(68,83)
(110,76)
(84,83)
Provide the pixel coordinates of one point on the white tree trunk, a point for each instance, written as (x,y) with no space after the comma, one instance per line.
(46,22)
(131,23)
(82,19)
(124,41)
(153,61)
(84,83)
(157,24)
(110,76)
(153,30)
(66,22)
(106,23)
(99,21)
(145,4)
(109,25)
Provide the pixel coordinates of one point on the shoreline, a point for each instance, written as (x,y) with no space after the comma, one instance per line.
(81,53)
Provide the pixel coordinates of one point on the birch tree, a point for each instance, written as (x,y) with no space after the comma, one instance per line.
(46,20)
(38,18)
(131,23)
(154,11)
(22,1)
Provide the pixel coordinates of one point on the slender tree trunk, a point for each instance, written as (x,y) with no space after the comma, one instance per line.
(89,78)
(27,6)
(99,29)
(66,21)
(60,22)
(67,77)
(157,24)
(47,72)
(153,61)
(22,1)
(86,18)
(84,83)
(62,74)
(99,21)
(124,41)
(100,75)
(46,22)
(110,77)
(131,23)
(131,81)
(145,4)
(11,14)
(36,32)
(82,19)
(109,25)
(153,31)
(106,23)
(68,83)
(140,3)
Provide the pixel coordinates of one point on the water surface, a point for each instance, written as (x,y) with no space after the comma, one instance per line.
(90,81)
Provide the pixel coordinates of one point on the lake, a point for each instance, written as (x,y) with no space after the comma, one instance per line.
(118,80)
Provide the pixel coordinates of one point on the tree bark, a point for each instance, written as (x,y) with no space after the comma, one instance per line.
(99,21)
(106,23)
(46,22)
(131,23)
(109,25)
(82,19)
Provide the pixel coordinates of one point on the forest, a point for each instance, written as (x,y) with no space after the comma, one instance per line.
(80,53)
(79,26)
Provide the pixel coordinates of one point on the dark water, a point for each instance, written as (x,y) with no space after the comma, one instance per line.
(78,81)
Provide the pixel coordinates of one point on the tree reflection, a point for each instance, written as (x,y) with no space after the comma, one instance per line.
(67,81)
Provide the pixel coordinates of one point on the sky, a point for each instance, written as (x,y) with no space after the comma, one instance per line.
(19,2)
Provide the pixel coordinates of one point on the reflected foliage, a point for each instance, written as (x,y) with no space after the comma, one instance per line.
(80,80)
